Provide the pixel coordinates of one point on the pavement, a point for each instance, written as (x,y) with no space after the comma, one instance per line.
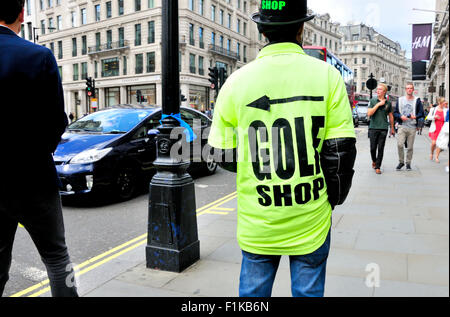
(389,239)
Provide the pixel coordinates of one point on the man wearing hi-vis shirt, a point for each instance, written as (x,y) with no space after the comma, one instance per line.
(286,121)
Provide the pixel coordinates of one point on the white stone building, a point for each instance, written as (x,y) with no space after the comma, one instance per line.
(118,43)
(438,69)
(29,25)
(321,31)
(367,51)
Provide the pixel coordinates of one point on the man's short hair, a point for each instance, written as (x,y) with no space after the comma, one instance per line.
(10,10)
(280,33)
(409,84)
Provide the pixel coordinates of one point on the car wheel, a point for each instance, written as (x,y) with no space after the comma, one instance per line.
(210,165)
(126,183)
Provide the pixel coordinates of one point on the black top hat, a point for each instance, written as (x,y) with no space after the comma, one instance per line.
(282,12)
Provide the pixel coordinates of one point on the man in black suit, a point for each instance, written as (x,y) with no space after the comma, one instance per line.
(32,120)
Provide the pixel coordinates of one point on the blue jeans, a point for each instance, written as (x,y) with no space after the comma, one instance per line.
(307,273)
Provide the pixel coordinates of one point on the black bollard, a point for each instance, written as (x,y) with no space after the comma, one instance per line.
(172,243)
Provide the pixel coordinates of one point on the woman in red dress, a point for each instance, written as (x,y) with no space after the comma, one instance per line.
(437,115)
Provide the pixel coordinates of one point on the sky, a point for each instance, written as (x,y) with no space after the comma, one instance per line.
(392,18)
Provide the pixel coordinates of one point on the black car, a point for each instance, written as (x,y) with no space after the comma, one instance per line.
(113,150)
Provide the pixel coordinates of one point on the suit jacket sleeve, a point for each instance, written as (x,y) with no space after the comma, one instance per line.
(54,102)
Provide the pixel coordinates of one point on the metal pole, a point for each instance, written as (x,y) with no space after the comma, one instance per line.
(34,34)
(172,243)
(170,63)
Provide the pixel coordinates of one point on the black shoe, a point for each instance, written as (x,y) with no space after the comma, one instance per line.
(408,167)
(400,166)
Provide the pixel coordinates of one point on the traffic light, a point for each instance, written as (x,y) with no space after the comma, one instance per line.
(222,76)
(214,77)
(93,87)
(90,87)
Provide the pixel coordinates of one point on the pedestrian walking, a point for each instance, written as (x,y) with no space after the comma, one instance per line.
(437,116)
(29,191)
(426,111)
(293,119)
(407,111)
(378,111)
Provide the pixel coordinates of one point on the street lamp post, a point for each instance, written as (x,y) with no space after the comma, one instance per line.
(35,36)
(172,243)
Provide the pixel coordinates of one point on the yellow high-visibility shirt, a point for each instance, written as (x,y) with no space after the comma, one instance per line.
(277,111)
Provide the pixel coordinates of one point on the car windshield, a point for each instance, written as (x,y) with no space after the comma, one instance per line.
(110,121)
(362,98)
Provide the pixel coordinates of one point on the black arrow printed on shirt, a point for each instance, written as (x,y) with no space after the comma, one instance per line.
(264,102)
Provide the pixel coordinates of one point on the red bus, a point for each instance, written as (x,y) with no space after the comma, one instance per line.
(325,55)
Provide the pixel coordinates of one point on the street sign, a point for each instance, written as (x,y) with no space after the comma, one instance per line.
(94,103)
(371,84)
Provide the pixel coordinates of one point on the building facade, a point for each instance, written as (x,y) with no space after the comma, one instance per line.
(118,43)
(369,52)
(28,30)
(438,69)
(321,31)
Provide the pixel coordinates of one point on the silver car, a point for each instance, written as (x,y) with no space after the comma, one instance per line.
(361,109)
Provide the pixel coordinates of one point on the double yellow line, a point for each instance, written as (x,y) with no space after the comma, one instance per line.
(109,255)
(215,205)
(89,264)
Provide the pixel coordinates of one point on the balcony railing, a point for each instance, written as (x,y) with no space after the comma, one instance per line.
(222,51)
(108,47)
